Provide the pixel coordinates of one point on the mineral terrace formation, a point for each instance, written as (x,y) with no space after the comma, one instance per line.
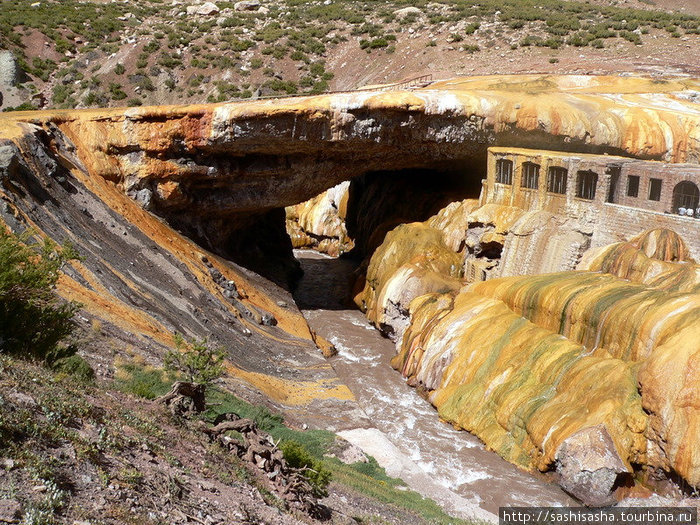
(591,370)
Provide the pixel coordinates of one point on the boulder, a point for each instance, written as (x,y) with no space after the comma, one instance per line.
(247,5)
(10,511)
(589,465)
(206,9)
(408,11)
(11,75)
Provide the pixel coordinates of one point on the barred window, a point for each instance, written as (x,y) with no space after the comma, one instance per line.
(504,171)
(586,182)
(530,176)
(686,195)
(556,180)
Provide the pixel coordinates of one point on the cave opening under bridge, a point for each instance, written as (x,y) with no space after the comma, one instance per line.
(375,203)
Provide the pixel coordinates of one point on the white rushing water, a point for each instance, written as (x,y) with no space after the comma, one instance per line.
(406,437)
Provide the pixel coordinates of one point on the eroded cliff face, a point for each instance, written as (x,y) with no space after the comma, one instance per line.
(140,282)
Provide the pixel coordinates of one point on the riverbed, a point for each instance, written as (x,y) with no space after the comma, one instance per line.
(406,436)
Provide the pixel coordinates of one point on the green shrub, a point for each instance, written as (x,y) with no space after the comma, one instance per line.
(119,69)
(61,92)
(76,367)
(196,360)
(116,92)
(24,106)
(33,319)
(314,471)
(472,27)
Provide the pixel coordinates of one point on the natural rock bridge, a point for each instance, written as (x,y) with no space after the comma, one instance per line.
(221,174)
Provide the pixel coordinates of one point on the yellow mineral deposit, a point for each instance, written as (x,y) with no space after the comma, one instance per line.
(527,362)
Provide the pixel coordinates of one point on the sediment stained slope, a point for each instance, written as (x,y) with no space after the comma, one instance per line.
(140,282)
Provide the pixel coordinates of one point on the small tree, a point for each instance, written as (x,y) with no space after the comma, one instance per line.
(195,359)
(33,319)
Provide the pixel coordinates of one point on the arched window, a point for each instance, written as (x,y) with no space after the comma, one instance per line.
(504,171)
(530,175)
(686,195)
(556,180)
(586,182)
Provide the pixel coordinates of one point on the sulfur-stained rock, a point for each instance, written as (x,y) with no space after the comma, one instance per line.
(412,261)
(668,381)
(519,361)
(453,221)
(659,258)
(589,466)
(319,223)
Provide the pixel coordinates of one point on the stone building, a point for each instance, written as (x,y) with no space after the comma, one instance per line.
(559,205)
(558,181)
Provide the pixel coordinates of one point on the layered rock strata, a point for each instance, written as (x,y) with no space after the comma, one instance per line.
(140,282)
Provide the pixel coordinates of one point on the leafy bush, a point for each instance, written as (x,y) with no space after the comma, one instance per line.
(33,319)
(116,91)
(196,360)
(472,27)
(315,472)
(76,367)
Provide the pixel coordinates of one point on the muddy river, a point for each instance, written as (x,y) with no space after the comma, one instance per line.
(406,437)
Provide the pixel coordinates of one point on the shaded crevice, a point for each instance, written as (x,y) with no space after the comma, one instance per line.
(379,201)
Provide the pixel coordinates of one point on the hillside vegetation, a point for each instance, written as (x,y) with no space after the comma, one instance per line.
(93,54)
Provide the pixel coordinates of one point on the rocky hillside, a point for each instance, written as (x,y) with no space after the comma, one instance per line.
(67,54)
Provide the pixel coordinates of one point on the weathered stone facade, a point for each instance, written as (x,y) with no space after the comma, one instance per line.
(611,198)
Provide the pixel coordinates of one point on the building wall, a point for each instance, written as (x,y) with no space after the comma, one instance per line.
(606,222)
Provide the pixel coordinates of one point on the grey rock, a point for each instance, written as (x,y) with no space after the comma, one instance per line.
(11,162)
(206,9)
(352,454)
(247,5)
(11,75)
(268,320)
(589,465)
(10,511)
(145,198)
(22,400)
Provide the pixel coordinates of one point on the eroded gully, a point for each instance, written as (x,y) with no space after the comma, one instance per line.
(406,437)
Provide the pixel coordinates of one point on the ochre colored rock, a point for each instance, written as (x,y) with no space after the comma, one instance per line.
(451,222)
(319,223)
(536,365)
(412,261)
